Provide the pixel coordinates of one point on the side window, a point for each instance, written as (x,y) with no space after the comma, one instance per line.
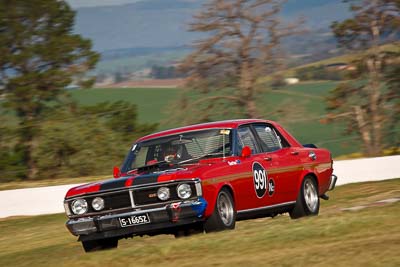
(270,140)
(246,138)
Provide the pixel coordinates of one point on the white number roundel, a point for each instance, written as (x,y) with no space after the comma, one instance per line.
(259,179)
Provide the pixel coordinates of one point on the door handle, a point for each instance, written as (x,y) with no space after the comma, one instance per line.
(268,158)
(295,153)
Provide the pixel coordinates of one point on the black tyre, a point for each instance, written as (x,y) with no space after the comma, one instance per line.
(194,229)
(224,215)
(307,202)
(102,244)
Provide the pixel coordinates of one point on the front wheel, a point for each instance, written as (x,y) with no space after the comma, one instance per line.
(307,202)
(224,215)
(102,244)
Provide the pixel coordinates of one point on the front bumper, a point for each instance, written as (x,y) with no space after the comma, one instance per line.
(163,218)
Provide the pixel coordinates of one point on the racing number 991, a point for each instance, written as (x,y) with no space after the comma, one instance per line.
(259,179)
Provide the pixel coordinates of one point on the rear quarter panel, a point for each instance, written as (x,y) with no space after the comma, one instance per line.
(321,168)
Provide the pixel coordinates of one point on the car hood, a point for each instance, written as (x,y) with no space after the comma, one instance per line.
(186,172)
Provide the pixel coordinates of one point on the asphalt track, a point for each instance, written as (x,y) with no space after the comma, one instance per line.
(49,200)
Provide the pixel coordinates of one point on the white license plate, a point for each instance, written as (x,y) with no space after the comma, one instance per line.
(134,220)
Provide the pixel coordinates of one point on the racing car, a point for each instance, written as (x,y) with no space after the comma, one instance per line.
(201,178)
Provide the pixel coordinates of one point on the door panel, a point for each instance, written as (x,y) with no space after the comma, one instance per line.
(252,182)
(284,169)
(282,163)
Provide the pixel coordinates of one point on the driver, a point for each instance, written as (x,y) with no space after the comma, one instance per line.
(170,153)
(176,152)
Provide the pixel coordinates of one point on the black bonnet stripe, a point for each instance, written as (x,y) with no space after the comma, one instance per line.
(113,184)
(120,182)
(146,179)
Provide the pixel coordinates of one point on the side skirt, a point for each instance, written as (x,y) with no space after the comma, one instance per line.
(267,211)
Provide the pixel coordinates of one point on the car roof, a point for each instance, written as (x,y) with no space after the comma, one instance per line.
(203,126)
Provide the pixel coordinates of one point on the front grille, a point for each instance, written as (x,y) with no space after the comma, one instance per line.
(117,201)
(147,196)
(113,201)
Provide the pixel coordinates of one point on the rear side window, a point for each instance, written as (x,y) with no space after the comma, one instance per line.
(270,140)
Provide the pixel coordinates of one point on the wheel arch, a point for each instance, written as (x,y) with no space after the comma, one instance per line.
(314,176)
(304,175)
(230,190)
(213,199)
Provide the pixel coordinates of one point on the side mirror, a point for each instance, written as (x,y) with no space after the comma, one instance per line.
(246,152)
(116,172)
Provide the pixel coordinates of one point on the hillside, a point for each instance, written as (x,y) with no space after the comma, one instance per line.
(160,23)
(137,35)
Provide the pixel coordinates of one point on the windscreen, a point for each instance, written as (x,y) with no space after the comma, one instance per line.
(182,148)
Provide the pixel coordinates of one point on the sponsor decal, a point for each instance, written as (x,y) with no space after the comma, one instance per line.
(271,186)
(224,132)
(232,163)
(152,195)
(259,179)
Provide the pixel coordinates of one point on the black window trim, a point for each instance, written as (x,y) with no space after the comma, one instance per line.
(257,142)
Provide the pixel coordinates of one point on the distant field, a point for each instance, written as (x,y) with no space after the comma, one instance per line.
(367,237)
(140,62)
(151,102)
(303,102)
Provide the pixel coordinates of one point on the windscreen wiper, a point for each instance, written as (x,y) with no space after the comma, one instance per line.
(198,158)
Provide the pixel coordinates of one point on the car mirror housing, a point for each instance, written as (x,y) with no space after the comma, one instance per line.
(246,152)
(116,172)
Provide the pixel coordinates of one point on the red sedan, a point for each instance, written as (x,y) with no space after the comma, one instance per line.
(200,178)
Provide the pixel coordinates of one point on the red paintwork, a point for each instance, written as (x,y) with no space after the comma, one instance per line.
(116,172)
(83,189)
(287,167)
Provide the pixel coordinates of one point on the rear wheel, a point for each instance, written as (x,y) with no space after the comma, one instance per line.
(307,202)
(102,244)
(224,215)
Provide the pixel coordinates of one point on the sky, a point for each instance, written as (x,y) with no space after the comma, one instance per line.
(88,3)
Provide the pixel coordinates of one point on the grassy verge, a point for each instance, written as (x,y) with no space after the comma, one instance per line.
(369,237)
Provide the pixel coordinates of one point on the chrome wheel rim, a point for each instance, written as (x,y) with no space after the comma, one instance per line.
(225,208)
(310,195)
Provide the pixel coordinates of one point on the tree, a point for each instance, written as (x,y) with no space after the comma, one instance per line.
(242,44)
(40,55)
(86,140)
(121,117)
(368,100)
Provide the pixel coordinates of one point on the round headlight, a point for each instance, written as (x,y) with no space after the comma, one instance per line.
(184,191)
(79,206)
(98,203)
(163,193)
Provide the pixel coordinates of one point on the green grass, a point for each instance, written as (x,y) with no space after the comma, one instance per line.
(370,237)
